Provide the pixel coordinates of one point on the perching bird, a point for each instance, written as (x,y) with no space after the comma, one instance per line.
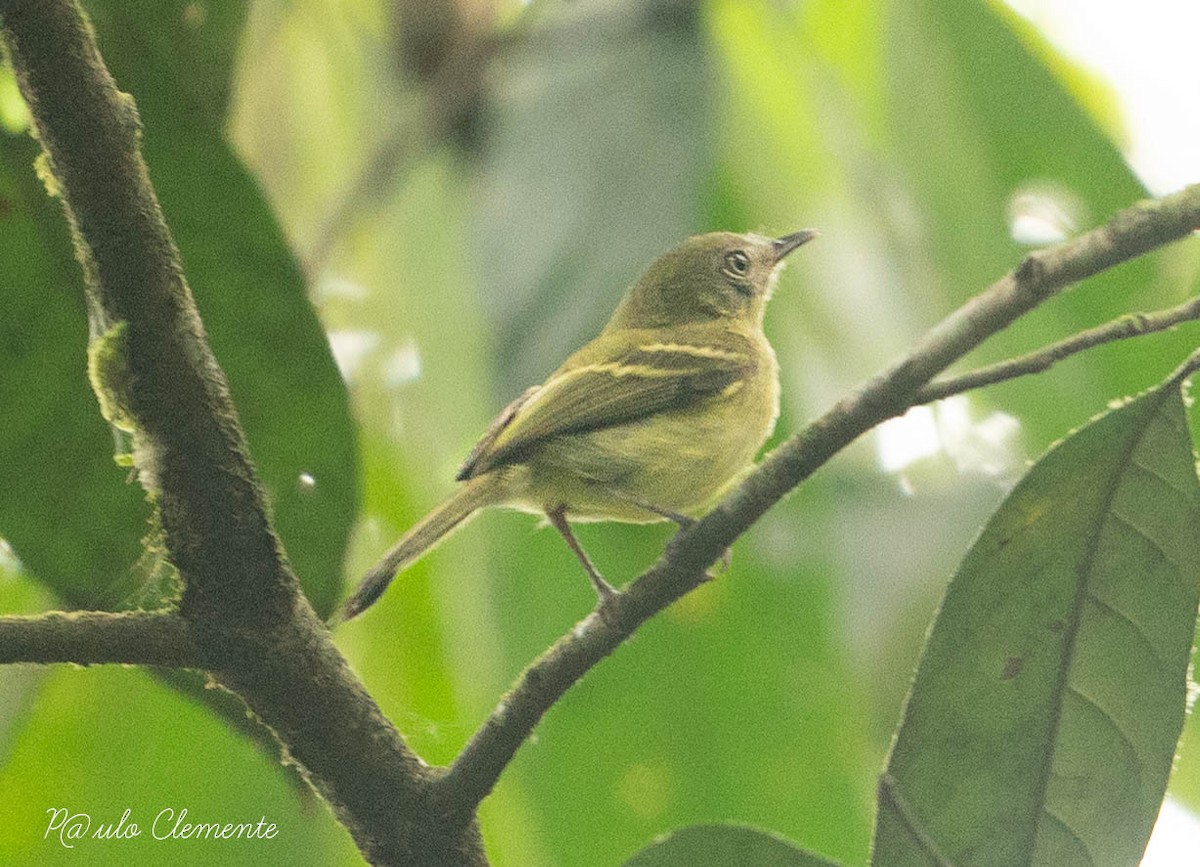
(653,420)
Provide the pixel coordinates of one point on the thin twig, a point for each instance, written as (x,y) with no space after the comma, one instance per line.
(1041,275)
(1122,328)
(160,638)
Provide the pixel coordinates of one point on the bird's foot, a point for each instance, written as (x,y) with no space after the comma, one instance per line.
(721,566)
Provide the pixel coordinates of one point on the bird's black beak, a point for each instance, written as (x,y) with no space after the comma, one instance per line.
(788,243)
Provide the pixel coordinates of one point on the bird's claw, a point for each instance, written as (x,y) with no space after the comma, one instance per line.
(721,566)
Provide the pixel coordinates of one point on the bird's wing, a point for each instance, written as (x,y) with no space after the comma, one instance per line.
(644,378)
(499,423)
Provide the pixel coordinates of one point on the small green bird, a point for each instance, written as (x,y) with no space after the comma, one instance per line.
(653,420)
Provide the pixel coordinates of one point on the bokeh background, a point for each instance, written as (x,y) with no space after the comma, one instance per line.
(432,202)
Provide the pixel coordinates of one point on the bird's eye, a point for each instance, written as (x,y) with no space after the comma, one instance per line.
(737,263)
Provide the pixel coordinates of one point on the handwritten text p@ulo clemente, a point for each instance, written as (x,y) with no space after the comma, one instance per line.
(168,824)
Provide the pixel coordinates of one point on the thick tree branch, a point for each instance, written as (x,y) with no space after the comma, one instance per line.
(94,637)
(1122,328)
(1041,275)
(244,607)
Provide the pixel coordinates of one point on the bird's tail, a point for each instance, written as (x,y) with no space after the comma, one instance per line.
(485,490)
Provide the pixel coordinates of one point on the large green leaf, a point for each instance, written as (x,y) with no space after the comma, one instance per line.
(722,845)
(1043,720)
(175,58)
(66,509)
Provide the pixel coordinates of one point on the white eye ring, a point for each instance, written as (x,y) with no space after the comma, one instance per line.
(737,263)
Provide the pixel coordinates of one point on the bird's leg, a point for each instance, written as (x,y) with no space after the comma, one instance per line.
(558,517)
(681,521)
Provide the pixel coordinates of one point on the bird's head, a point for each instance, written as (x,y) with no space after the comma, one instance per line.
(713,276)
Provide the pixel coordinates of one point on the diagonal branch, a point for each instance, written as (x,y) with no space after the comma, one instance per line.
(1040,276)
(1122,328)
(93,637)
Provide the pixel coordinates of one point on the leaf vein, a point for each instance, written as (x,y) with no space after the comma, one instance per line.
(1108,717)
(1138,630)
(1071,832)
(1175,421)
(1150,540)
(1188,496)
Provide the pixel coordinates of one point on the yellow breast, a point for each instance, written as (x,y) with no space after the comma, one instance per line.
(680,461)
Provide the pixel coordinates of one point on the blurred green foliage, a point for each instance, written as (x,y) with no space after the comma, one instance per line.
(462,209)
